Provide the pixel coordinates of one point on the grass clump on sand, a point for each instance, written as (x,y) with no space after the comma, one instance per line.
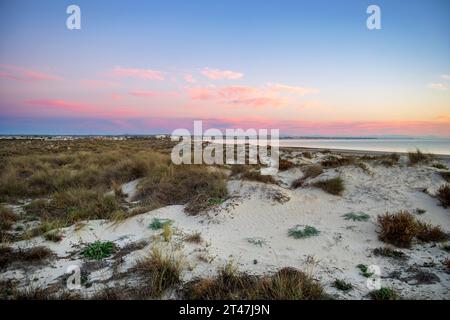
(7,218)
(446,175)
(284,165)
(443,195)
(390,160)
(195,237)
(401,228)
(257,241)
(384,294)
(334,186)
(364,270)
(158,223)
(342,285)
(53,236)
(229,284)
(356,216)
(334,161)
(159,273)
(299,233)
(419,157)
(99,250)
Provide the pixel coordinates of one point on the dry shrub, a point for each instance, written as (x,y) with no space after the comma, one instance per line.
(307,155)
(194,238)
(159,273)
(32,255)
(443,195)
(7,218)
(284,165)
(333,186)
(398,229)
(401,228)
(286,284)
(430,233)
(419,157)
(446,175)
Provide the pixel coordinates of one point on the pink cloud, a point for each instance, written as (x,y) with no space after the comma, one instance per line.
(62,105)
(201,93)
(27,75)
(146,74)
(189,78)
(99,84)
(150,93)
(216,74)
(301,91)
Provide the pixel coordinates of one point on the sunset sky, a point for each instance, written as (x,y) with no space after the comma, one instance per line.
(305,67)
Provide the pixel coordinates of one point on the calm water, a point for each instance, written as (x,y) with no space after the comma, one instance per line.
(437,146)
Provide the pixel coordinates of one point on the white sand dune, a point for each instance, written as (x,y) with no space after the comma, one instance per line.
(252,212)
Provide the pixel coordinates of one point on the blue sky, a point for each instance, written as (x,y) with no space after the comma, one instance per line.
(396,74)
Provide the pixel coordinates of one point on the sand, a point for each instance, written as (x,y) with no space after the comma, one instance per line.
(251,229)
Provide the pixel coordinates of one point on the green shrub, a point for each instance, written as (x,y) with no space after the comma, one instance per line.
(99,250)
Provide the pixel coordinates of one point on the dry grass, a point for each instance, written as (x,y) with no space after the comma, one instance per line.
(7,218)
(401,228)
(443,195)
(286,284)
(194,238)
(33,255)
(446,175)
(398,229)
(333,186)
(284,165)
(159,273)
(419,157)
(334,162)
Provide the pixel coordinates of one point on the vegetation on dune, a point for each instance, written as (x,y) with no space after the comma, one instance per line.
(298,232)
(419,157)
(401,228)
(356,216)
(334,186)
(30,255)
(384,294)
(443,195)
(342,285)
(309,172)
(286,284)
(99,250)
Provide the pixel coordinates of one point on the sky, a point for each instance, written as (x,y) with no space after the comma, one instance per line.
(309,68)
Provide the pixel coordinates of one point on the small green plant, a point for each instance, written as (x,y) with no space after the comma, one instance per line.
(364,270)
(356,216)
(215,201)
(167,232)
(298,233)
(159,223)
(99,250)
(342,285)
(257,241)
(384,294)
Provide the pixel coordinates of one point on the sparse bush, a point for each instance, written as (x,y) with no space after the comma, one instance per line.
(333,161)
(398,229)
(257,241)
(286,284)
(167,232)
(446,175)
(99,250)
(390,160)
(54,236)
(307,155)
(384,294)
(419,157)
(443,195)
(284,165)
(257,176)
(298,233)
(334,186)
(30,255)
